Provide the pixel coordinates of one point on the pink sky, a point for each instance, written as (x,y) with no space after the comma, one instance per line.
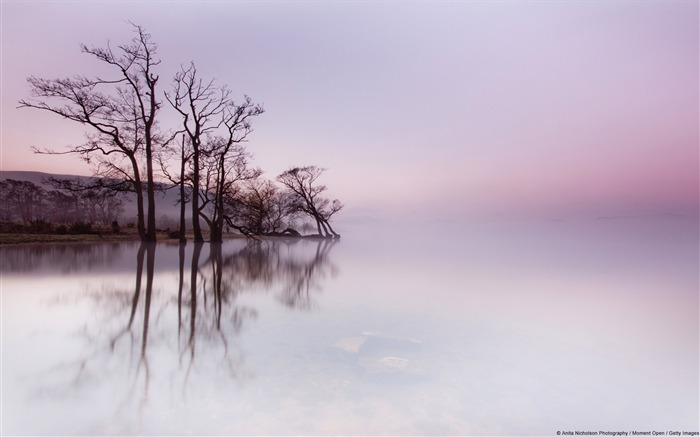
(454,107)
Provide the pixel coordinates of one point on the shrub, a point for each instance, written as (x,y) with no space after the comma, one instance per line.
(40,226)
(80,228)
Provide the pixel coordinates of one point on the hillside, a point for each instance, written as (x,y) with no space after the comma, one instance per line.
(166,202)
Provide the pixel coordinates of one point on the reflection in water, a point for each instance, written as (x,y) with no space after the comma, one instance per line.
(62,258)
(132,325)
(214,283)
(492,331)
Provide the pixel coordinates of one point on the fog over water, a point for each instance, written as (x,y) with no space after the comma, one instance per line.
(430,328)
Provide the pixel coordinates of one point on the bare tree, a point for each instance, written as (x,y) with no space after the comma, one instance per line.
(226,168)
(259,202)
(216,127)
(265,209)
(301,183)
(93,200)
(71,190)
(120,113)
(22,200)
(59,206)
(200,105)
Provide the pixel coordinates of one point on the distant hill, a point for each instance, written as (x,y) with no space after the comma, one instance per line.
(35,177)
(167,209)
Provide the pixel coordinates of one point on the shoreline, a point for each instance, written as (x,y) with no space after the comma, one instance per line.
(14,239)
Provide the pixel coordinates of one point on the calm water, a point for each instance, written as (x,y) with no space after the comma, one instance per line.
(490,329)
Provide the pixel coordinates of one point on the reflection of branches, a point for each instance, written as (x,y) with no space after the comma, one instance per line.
(263,264)
(180,284)
(135,298)
(193,307)
(150,263)
(208,281)
(304,276)
(149,249)
(133,327)
(117,303)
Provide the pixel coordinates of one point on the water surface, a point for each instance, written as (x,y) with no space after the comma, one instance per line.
(491,329)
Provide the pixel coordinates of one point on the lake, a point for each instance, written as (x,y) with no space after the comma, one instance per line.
(439,328)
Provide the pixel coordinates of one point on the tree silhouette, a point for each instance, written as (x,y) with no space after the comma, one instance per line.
(301,182)
(120,113)
(123,139)
(216,127)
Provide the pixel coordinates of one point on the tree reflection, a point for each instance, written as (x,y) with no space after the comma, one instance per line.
(266,265)
(304,277)
(59,258)
(155,330)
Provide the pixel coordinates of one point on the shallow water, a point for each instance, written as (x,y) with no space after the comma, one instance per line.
(508,328)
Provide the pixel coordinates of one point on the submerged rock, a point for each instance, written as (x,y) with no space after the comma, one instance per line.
(379,354)
(385,364)
(352,344)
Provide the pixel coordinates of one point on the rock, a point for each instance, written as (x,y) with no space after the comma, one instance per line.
(352,344)
(379,354)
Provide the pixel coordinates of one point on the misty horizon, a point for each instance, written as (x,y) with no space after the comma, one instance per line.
(468,109)
(358,215)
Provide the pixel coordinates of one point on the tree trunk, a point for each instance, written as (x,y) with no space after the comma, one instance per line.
(182,230)
(326,234)
(216,227)
(138,188)
(151,228)
(140,225)
(318,225)
(335,234)
(196,228)
(216,235)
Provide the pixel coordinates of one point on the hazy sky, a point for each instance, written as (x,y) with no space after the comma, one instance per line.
(438,108)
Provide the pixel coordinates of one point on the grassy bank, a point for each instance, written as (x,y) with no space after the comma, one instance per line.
(17,233)
(30,237)
(43,232)
(46,238)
